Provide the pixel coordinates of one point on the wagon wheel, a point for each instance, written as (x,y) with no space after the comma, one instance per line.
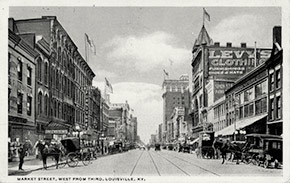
(255,160)
(266,164)
(72,159)
(86,159)
(61,160)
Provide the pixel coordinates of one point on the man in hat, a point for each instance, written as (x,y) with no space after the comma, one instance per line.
(21,152)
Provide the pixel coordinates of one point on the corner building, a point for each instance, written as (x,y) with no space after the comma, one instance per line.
(214,69)
(21,88)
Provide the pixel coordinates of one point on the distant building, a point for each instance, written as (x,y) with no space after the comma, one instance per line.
(119,112)
(175,94)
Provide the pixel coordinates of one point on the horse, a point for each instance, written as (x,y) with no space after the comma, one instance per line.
(226,147)
(46,151)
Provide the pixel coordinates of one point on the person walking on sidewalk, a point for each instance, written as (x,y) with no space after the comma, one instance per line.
(21,152)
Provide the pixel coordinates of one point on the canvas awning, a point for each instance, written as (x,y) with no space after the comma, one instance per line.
(239,125)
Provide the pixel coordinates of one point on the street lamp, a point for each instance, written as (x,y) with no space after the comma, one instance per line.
(78,131)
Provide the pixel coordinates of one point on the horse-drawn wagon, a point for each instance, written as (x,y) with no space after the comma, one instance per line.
(74,152)
(205,145)
(264,149)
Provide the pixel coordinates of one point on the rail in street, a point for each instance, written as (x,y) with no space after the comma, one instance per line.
(162,163)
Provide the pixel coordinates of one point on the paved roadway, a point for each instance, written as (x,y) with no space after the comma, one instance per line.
(161,163)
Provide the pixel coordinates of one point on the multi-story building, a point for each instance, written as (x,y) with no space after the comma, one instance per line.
(159,137)
(275,72)
(134,126)
(180,129)
(175,94)
(65,73)
(105,116)
(93,109)
(254,102)
(246,105)
(21,87)
(215,68)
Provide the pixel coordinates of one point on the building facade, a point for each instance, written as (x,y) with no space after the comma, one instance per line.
(21,88)
(214,69)
(254,102)
(275,78)
(62,78)
(175,94)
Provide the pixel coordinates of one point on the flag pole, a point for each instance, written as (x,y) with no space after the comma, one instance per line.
(203,18)
(86,48)
(255,54)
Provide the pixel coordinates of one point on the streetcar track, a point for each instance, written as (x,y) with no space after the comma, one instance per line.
(136,163)
(174,165)
(194,165)
(154,164)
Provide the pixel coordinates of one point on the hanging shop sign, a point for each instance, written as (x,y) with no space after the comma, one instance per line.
(57,132)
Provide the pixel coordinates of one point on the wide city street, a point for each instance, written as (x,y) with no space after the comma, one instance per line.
(158,163)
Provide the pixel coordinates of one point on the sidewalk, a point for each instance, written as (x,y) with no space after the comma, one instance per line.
(31,164)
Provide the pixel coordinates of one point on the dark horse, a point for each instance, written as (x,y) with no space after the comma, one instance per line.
(46,151)
(227,147)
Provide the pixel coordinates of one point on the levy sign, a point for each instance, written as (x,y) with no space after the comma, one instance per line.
(232,63)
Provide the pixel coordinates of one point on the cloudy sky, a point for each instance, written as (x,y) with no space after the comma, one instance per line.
(135,44)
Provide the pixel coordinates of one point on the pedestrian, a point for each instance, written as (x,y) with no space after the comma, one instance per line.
(21,152)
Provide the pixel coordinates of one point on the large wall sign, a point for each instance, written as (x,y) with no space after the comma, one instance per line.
(232,63)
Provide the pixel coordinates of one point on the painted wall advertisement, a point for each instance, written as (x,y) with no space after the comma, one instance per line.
(220,87)
(231,63)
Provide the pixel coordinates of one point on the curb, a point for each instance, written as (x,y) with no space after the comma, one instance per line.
(40,168)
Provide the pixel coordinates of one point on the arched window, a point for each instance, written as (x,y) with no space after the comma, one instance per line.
(56,79)
(46,104)
(46,72)
(39,105)
(58,55)
(54,106)
(59,110)
(39,66)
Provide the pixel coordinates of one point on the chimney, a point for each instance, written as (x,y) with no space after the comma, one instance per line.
(217,44)
(244,45)
(11,24)
(229,44)
(49,17)
(277,35)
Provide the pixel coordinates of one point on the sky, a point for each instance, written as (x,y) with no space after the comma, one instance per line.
(135,44)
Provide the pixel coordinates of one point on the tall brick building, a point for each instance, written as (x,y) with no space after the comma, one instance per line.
(63,77)
(175,94)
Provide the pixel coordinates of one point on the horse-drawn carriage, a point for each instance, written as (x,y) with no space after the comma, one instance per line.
(264,150)
(205,145)
(74,153)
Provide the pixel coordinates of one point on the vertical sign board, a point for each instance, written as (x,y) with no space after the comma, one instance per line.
(231,63)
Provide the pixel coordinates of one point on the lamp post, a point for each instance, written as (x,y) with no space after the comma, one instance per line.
(78,130)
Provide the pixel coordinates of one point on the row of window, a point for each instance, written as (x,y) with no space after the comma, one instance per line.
(275,112)
(275,78)
(253,93)
(20,70)
(20,103)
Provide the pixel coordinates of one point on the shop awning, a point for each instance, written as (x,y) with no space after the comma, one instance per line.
(239,125)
